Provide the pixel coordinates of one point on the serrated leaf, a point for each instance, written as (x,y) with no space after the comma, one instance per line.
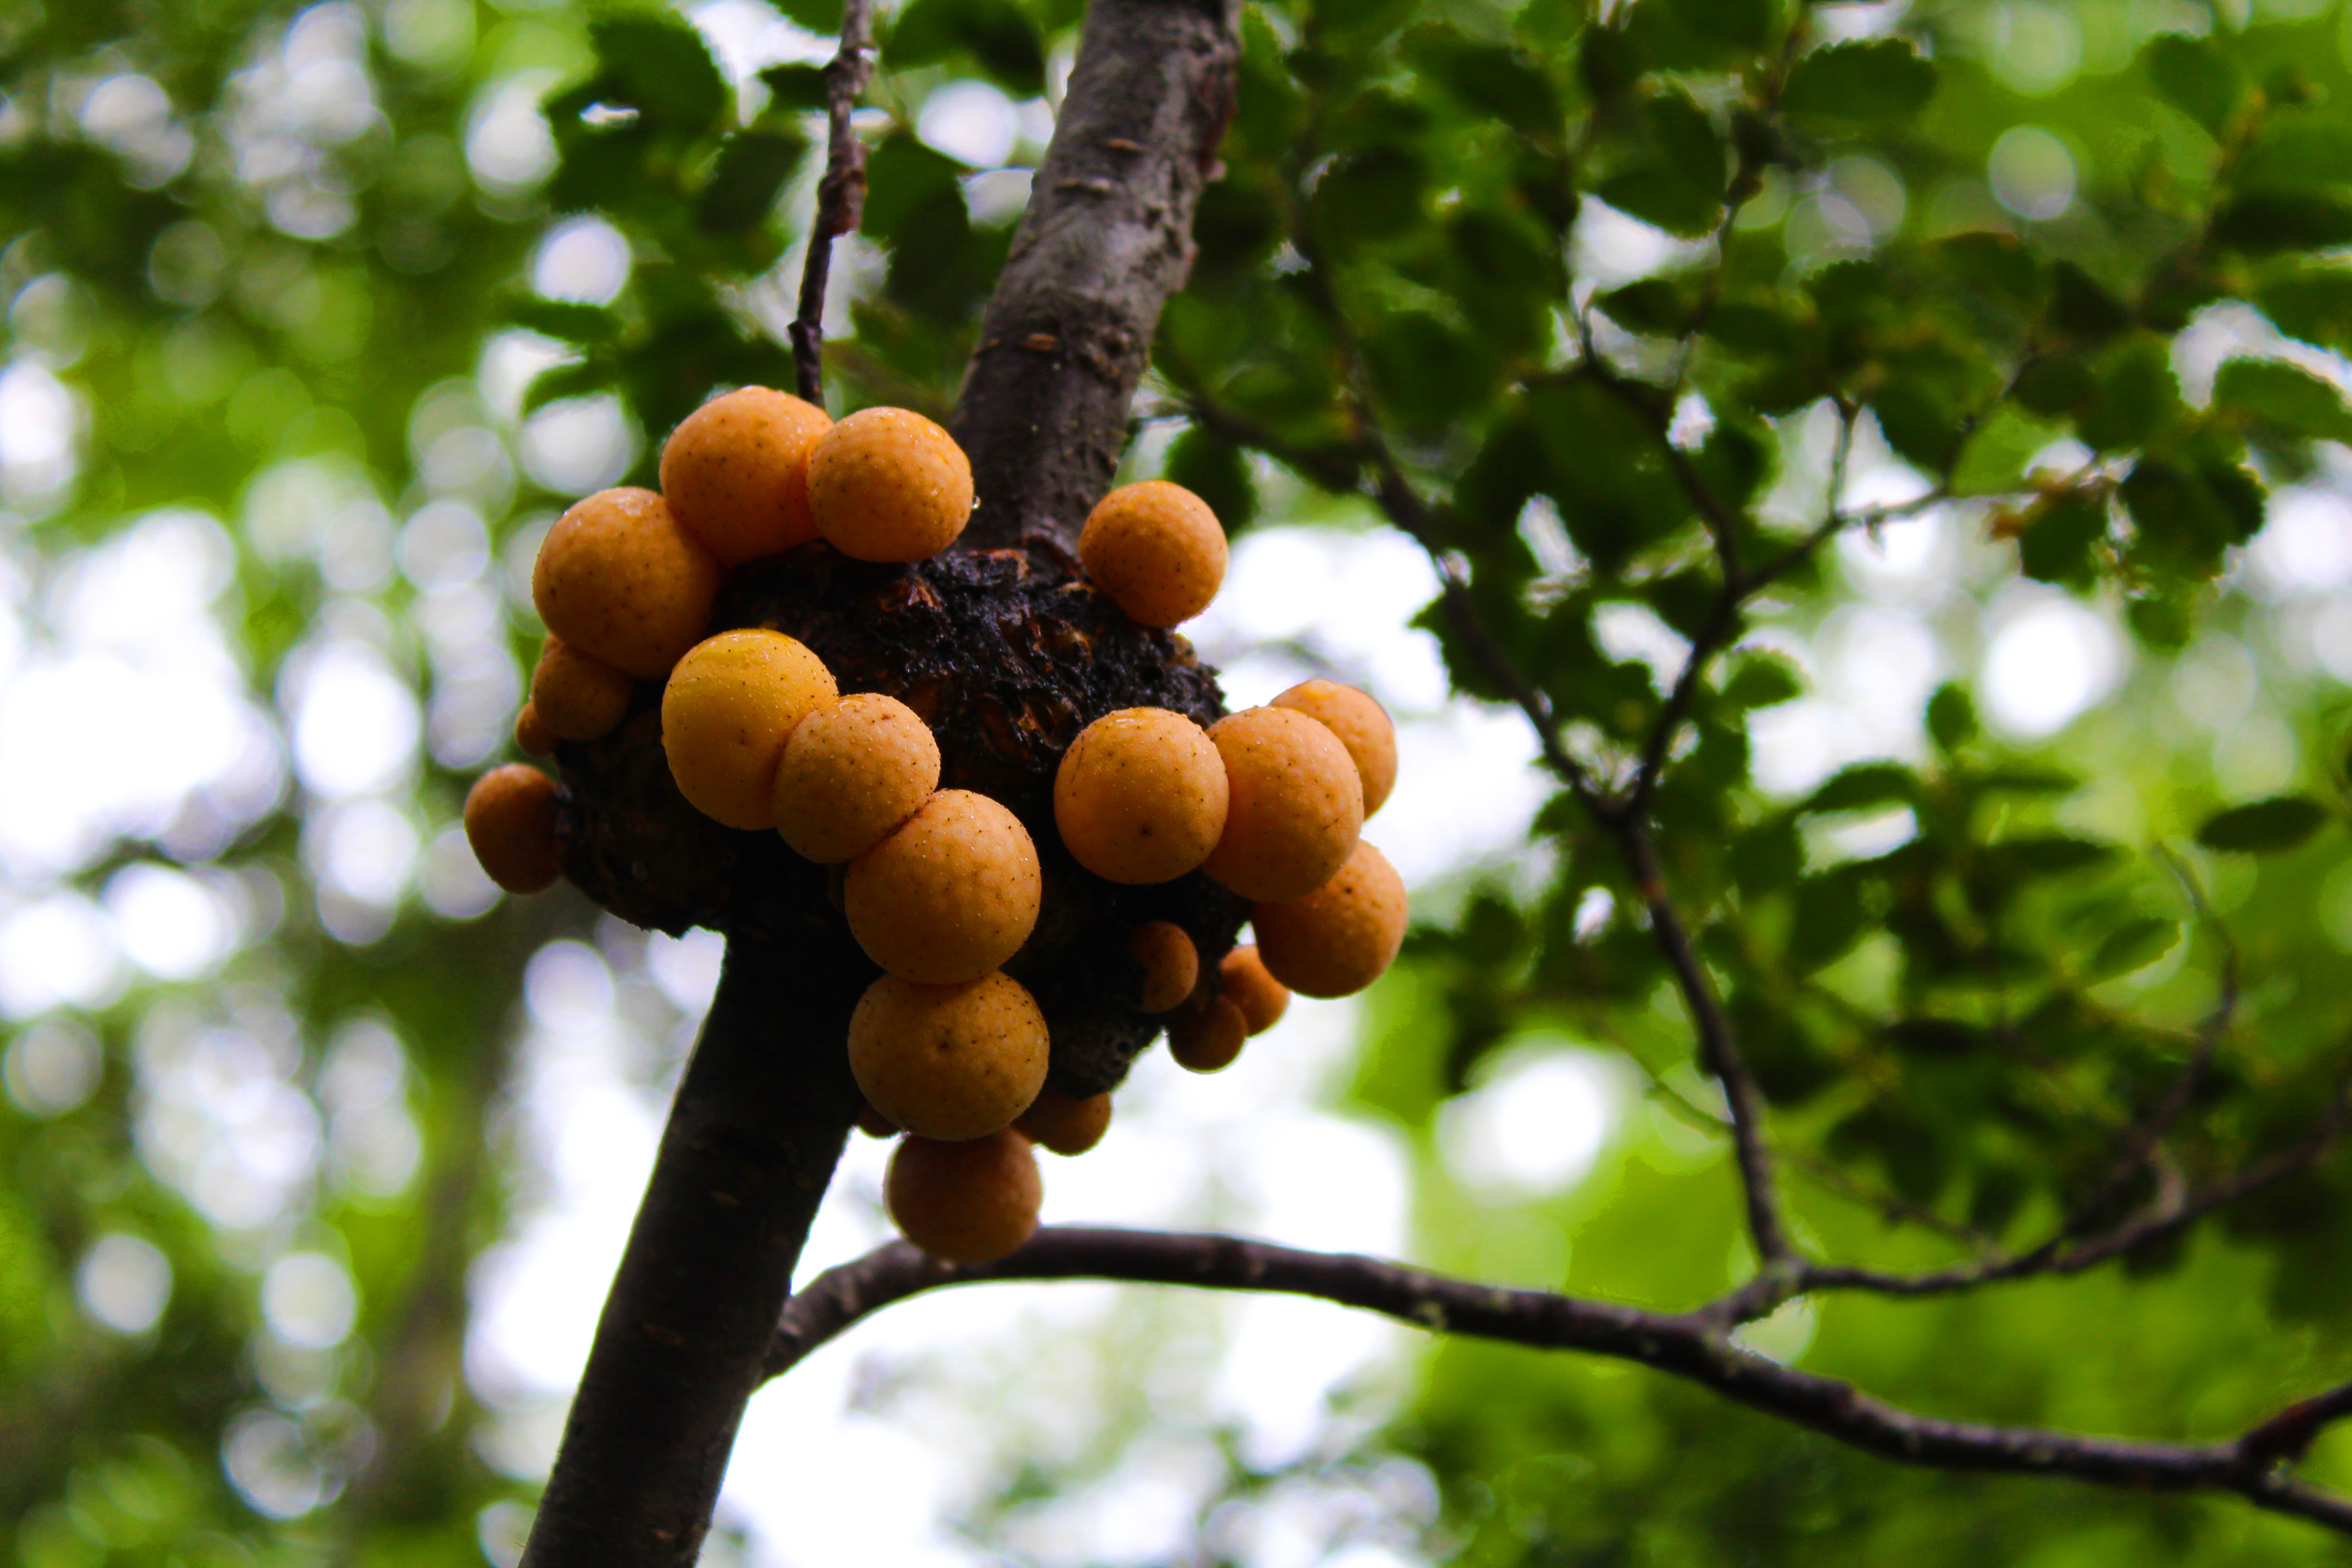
(2264,827)
(2314,303)
(2284,395)
(1880,81)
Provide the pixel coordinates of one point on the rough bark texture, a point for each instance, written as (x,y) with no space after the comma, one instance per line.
(1007,654)
(1106,238)
(758,1124)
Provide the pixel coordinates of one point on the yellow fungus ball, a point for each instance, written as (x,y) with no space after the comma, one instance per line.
(949,895)
(510,823)
(971,1201)
(886,484)
(618,579)
(1210,1039)
(1172,965)
(1140,796)
(1294,805)
(1241,975)
(852,771)
(530,734)
(949,1061)
(1362,726)
(874,1124)
(1157,550)
(1064,1123)
(1342,936)
(726,712)
(579,698)
(736,472)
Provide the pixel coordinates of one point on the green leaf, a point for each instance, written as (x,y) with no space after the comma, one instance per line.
(2285,395)
(901,176)
(2198,78)
(1494,80)
(798,86)
(578,379)
(1863,787)
(1745,25)
(2058,538)
(658,65)
(1370,195)
(566,320)
(2314,303)
(2264,827)
(1993,461)
(1951,717)
(1677,183)
(1882,82)
(822,17)
(2265,224)
(995,34)
(744,183)
(1660,307)
(1762,680)
(1218,472)
(2186,517)
(2133,945)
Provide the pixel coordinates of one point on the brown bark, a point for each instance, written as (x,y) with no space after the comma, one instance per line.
(758,1123)
(1106,238)
(767,1100)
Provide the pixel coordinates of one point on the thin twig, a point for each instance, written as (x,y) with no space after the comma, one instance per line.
(840,196)
(2064,1256)
(1686,1345)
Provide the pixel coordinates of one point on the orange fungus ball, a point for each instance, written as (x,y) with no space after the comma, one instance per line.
(510,823)
(886,484)
(949,1061)
(852,771)
(1295,806)
(578,698)
(736,472)
(530,734)
(1157,550)
(1210,1039)
(726,712)
(1065,1124)
(1362,726)
(617,578)
(1342,936)
(1172,965)
(950,895)
(969,1202)
(1261,998)
(1140,796)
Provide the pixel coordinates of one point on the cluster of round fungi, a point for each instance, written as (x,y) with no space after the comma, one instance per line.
(941,888)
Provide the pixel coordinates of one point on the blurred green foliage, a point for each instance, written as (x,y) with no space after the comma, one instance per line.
(1629,290)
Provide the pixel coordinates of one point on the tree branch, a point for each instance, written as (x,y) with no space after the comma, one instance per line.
(1106,238)
(1691,1346)
(840,198)
(2056,1256)
(758,1123)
